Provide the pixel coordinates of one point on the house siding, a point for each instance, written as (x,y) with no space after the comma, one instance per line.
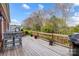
(4,22)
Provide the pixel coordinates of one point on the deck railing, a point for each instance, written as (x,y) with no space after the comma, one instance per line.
(57,38)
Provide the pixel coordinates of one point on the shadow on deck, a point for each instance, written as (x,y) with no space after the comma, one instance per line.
(36,47)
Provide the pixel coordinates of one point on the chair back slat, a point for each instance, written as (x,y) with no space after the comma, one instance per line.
(8,36)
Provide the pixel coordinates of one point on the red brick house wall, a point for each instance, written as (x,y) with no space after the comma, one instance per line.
(4,22)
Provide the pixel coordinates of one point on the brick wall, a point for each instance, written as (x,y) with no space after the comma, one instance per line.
(4,23)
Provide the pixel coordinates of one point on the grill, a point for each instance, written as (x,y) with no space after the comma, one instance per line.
(75,42)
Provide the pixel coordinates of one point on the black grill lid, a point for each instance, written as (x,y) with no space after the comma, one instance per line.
(74,38)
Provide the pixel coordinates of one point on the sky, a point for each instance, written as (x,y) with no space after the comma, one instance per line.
(21,11)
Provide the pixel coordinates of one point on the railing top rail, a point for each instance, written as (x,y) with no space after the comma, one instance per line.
(60,35)
(52,34)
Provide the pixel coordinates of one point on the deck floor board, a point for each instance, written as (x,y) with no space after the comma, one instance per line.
(36,47)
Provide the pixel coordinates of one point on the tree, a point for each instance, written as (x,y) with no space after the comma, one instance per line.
(37,18)
(47,27)
(65,9)
(53,25)
(28,23)
(58,23)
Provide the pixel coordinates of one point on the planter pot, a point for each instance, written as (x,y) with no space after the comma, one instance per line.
(50,42)
(35,37)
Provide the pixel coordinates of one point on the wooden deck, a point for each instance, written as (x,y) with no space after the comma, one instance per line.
(36,47)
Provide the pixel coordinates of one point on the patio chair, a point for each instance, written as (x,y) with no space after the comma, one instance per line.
(7,40)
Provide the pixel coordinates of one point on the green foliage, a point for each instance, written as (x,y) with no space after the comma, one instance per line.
(27,32)
(53,25)
(76,28)
(36,27)
(47,27)
(66,31)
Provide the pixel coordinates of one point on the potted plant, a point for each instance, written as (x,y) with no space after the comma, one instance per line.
(35,36)
(51,41)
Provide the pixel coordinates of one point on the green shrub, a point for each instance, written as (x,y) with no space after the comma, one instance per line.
(30,32)
(27,32)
